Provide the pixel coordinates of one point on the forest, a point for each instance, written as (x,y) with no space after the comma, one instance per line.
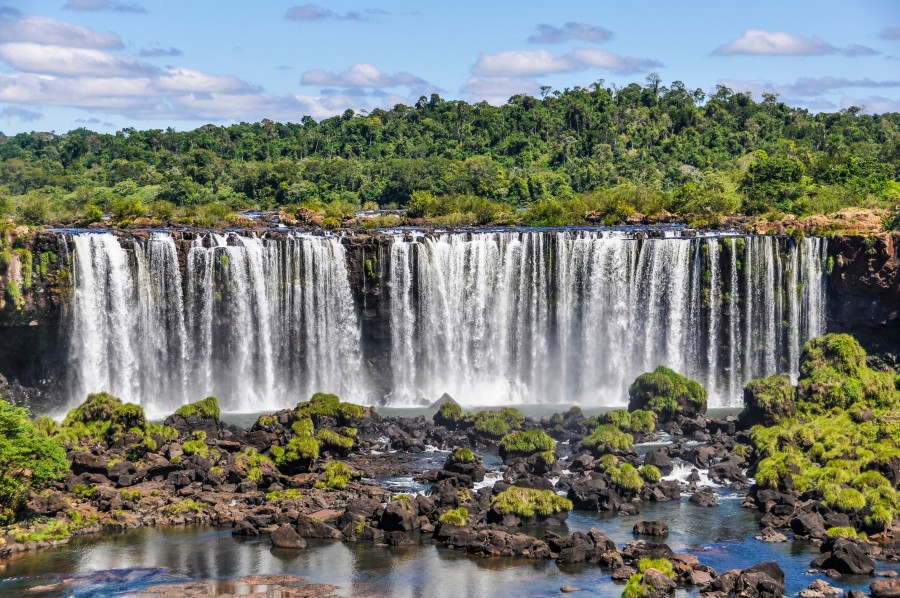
(600,152)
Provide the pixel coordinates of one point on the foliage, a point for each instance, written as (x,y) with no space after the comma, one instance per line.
(607,435)
(208,408)
(333,440)
(492,425)
(638,421)
(448,414)
(197,445)
(462,454)
(102,417)
(330,405)
(666,393)
(28,460)
(526,502)
(626,477)
(337,475)
(650,473)
(768,399)
(528,442)
(299,450)
(664,566)
(250,463)
(841,532)
(456,517)
(303,427)
(282,495)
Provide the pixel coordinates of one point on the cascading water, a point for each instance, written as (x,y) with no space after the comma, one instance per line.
(561,317)
(263,323)
(489,317)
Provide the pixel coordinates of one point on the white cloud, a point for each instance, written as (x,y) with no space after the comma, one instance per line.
(188,80)
(807,87)
(531,63)
(96,5)
(548,34)
(872,104)
(57,60)
(500,87)
(523,63)
(779,43)
(158,52)
(314,12)
(758,41)
(360,76)
(44,30)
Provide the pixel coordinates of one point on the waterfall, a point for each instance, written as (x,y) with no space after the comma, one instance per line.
(261,324)
(492,318)
(574,316)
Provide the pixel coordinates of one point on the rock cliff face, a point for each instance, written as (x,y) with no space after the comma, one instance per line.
(864,291)
(36,284)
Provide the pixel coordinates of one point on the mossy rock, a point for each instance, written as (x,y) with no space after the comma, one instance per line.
(527,443)
(101,417)
(840,352)
(667,393)
(449,415)
(324,405)
(529,504)
(607,438)
(767,401)
(208,408)
(337,475)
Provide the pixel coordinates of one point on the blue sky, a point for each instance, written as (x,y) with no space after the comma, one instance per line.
(109,64)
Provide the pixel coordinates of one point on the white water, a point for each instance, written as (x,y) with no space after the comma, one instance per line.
(263,324)
(491,318)
(573,317)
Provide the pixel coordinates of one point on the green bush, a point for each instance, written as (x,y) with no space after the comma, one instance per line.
(527,443)
(664,566)
(462,454)
(303,427)
(249,463)
(767,400)
(101,417)
(526,502)
(607,435)
(197,446)
(337,475)
(625,476)
(333,440)
(841,532)
(666,393)
(300,451)
(455,517)
(448,414)
(650,473)
(208,408)
(330,405)
(492,425)
(28,460)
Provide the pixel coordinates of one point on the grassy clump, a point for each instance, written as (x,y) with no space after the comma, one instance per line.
(455,517)
(300,451)
(606,462)
(329,405)
(250,463)
(639,421)
(165,433)
(303,427)
(101,417)
(650,473)
(197,445)
(626,477)
(208,408)
(448,414)
(282,495)
(492,425)
(529,442)
(767,400)
(526,502)
(635,587)
(496,424)
(607,435)
(188,505)
(462,454)
(333,440)
(842,532)
(667,393)
(664,566)
(337,475)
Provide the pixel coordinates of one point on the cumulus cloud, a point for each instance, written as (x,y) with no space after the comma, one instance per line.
(15,27)
(158,52)
(70,62)
(890,33)
(360,75)
(314,12)
(530,63)
(548,34)
(807,87)
(22,114)
(779,43)
(96,5)
(497,90)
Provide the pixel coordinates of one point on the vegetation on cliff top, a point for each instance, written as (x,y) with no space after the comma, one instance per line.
(552,160)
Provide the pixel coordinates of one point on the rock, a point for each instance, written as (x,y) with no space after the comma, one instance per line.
(661,460)
(704,497)
(400,516)
(628,509)
(845,556)
(885,588)
(650,528)
(48,503)
(287,537)
(445,398)
(657,584)
(770,535)
(308,527)
(567,589)
(398,539)
(622,573)
(808,525)
(766,401)
(765,580)
(83,462)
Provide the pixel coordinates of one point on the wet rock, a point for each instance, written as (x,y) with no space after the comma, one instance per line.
(704,497)
(657,584)
(650,528)
(845,556)
(287,537)
(567,589)
(399,515)
(308,527)
(398,539)
(885,588)
(661,460)
(808,525)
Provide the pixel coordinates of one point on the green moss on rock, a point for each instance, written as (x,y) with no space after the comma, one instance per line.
(208,408)
(667,393)
(528,502)
(767,401)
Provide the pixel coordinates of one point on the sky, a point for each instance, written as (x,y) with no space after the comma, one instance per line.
(146,64)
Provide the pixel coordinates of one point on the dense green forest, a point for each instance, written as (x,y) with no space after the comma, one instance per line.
(612,152)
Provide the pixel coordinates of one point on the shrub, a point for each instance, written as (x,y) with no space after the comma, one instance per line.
(281,495)
(333,440)
(845,499)
(455,517)
(607,435)
(197,445)
(666,393)
(28,460)
(492,425)
(664,566)
(330,405)
(300,450)
(448,414)
(607,462)
(303,427)
(337,475)
(625,476)
(462,454)
(650,473)
(250,463)
(166,433)
(639,421)
(528,442)
(841,532)
(208,408)
(767,400)
(526,502)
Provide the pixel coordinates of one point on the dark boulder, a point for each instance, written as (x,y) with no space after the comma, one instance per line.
(650,528)
(287,537)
